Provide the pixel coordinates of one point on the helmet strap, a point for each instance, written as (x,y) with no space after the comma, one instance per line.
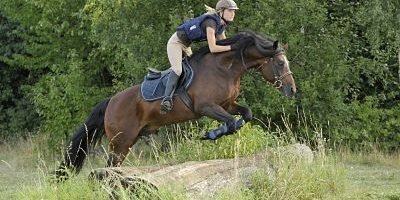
(222,17)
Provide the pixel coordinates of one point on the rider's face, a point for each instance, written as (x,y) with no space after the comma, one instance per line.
(229,14)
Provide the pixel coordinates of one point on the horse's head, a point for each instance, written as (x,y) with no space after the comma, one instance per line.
(276,70)
(266,56)
(256,51)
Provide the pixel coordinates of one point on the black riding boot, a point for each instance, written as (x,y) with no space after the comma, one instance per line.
(166,103)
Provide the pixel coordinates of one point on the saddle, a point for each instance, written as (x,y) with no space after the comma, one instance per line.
(153,85)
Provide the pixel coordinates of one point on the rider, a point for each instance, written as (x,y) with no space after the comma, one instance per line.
(209,26)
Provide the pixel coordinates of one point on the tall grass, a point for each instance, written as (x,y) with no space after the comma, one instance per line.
(293,178)
(369,156)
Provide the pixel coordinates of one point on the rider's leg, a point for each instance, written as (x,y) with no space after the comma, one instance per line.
(166,103)
(174,50)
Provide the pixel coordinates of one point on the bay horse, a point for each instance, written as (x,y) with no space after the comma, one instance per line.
(214,90)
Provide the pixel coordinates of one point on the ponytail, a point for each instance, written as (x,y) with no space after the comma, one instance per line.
(210,10)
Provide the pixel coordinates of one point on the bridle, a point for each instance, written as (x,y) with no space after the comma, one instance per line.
(278,78)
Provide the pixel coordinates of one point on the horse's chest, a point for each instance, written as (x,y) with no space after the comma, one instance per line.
(230,96)
(234,93)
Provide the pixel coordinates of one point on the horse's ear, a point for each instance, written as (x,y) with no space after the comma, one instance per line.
(285,46)
(276,43)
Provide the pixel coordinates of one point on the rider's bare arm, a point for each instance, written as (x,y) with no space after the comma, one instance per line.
(221,36)
(212,42)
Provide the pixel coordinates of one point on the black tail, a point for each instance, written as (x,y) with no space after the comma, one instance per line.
(86,136)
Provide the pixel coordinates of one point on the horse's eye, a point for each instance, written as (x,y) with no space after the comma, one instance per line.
(281,63)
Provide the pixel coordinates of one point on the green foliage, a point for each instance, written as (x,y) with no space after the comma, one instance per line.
(74,95)
(17,112)
(58,49)
(372,85)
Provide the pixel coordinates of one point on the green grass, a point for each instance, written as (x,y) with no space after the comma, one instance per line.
(371,175)
(337,175)
(297,180)
(17,167)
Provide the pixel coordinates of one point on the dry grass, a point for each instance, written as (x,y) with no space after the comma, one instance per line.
(340,175)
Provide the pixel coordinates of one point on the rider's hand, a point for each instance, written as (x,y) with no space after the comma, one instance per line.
(235,46)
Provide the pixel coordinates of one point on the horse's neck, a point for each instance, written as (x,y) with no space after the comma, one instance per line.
(224,62)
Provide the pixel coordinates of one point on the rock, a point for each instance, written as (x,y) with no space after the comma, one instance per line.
(200,178)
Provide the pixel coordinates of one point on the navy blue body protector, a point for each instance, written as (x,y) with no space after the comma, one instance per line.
(193,30)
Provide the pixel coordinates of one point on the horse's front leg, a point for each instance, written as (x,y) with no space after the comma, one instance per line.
(245,112)
(216,112)
(236,109)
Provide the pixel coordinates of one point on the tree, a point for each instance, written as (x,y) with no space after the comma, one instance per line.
(17,114)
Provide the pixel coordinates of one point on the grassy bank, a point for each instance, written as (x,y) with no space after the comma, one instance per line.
(370,175)
(333,175)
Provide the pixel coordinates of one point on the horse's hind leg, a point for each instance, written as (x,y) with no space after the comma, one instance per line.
(120,144)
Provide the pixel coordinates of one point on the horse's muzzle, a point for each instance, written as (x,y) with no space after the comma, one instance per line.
(288,91)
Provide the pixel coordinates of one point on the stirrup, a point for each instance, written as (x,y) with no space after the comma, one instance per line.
(166,105)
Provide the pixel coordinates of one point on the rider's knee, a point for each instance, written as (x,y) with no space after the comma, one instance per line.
(177,70)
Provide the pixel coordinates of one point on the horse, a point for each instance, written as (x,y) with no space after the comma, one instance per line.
(214,90)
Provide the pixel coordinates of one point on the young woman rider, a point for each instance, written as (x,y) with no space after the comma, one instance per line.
(210,27)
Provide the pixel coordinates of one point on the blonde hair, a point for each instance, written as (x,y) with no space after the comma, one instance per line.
(210,10)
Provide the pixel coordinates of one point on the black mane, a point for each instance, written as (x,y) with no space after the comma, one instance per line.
(244,39)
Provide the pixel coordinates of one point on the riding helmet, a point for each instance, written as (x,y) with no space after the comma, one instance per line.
(226,4)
